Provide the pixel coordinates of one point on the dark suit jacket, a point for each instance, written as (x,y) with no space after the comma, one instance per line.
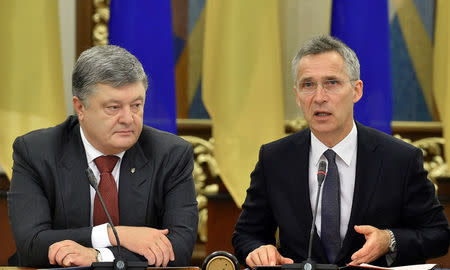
(391,191)
(49,199)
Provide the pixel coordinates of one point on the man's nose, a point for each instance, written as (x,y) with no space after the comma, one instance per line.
(321,93)
(126,115)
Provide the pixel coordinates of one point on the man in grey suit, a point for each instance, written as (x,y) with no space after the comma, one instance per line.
(55,215)
(376,205)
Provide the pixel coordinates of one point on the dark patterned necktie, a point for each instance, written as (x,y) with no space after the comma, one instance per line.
(330,224)
(108,191)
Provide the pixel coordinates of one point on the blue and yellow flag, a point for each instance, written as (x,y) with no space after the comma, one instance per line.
(144,28)
(242,85)
(441,70)
(364,27)
(31,78)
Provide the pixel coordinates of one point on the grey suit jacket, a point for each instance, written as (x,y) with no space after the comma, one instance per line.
(391,191)
(49,198)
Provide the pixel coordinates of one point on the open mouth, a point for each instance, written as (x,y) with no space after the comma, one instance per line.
(322,114)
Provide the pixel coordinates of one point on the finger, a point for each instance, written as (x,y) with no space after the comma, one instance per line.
(284,260)
(67,260)
(61,255)
(158,254)
(363,257)
(358,254)
(55,248)
(263,256)
(165,231)
(168,244)
(357,261)
(249,261)
(150,256)
(364,229)
(272,256)
(255,257)
(165,252)
(52,250)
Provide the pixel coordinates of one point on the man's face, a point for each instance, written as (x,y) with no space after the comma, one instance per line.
(328,113)
(112,119)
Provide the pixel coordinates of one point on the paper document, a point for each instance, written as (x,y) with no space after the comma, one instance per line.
(406,267)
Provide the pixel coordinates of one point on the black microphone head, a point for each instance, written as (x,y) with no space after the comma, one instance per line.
(91,177)
(321,172)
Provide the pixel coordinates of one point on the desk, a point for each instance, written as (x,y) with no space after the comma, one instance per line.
(148,268)
(223,213)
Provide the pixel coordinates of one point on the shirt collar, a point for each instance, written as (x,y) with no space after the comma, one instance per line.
(344,149)
(91,152)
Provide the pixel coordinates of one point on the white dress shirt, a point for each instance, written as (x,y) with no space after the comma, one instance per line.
(99,236)
(346,164)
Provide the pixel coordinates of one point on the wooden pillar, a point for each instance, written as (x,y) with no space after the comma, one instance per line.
(222,216)
(7,245)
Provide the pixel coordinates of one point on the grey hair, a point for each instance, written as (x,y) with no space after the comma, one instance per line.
(108,64)
(322,44)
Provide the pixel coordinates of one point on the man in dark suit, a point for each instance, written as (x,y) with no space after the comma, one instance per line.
(55,215)
(376,205)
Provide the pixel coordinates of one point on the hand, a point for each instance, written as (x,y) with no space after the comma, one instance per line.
(266,255)
(151,243)
(377,244)
(70,253)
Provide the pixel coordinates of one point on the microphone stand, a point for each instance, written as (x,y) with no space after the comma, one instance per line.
(119,263)
(309,264)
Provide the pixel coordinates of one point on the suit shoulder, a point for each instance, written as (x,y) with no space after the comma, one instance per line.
(51,136)
(387,141)
(165,141)
(284,144)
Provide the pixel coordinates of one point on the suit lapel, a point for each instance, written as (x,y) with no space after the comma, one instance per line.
(73,182)
(134,187)
(300,188)
(368,170)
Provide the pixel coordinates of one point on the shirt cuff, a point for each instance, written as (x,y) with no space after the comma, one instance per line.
(106,255)
(99,237)
(390,258)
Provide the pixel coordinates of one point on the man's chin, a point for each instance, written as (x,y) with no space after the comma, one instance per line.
(123,145)
(323,127)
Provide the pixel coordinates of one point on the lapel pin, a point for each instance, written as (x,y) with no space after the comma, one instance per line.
(133,170)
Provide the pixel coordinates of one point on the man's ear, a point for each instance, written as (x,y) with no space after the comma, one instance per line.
(357,91)
(79,107)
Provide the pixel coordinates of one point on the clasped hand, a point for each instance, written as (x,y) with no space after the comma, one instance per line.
(151,243)
(69,253)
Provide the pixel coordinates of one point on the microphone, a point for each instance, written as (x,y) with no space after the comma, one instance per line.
(321,174)
(309,264)
(119,262)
